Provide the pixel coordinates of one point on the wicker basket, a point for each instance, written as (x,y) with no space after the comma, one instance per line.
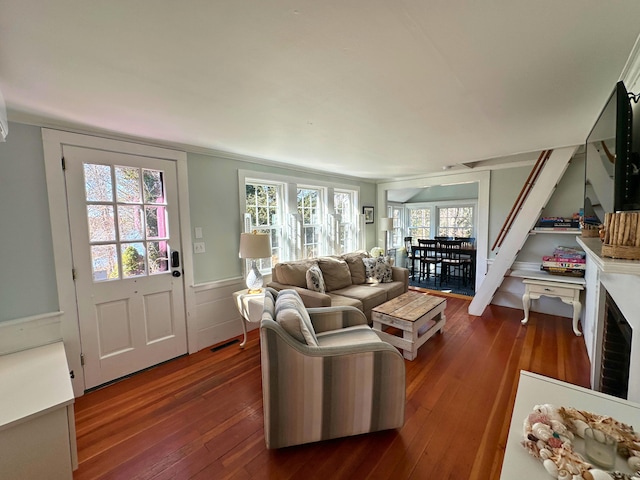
(621,251)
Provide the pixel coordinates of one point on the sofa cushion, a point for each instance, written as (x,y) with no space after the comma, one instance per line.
(356,266)
(393,289)
(342,301)
(378,270)
(293,273)
(292,315)
(315,280)
(356,335)
(335,272)
(370,296)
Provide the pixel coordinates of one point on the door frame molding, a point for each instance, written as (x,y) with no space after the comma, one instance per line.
(53,142)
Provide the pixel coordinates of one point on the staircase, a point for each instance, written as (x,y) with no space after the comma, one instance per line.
(524,216)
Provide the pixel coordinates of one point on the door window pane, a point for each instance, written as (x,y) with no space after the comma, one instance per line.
(130,222)
(158,257)
(156,222)
(128,184)
(153,185)
(102,227)
(104,262)
(97,183)
(133,260)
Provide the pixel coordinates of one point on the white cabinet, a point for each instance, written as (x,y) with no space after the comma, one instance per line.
(37,427)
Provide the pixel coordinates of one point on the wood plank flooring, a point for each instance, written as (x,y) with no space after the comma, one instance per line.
(200,416)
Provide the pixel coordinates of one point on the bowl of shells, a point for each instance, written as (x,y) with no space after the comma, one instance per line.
(557,436)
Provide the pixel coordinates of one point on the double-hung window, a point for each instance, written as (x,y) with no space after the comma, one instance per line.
(345,211)
(419,222)
(455,221)
(264,206)
(310,202)
(305,218)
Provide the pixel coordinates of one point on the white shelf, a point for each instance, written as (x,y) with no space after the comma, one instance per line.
(556,232)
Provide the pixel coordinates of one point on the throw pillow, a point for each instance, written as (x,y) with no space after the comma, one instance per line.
(293,273)
(315,280)
(356,267)
(335,272)
(292,315)
(378,270)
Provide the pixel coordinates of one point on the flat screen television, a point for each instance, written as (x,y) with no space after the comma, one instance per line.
(612,181)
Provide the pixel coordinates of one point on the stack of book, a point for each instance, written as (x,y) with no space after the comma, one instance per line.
(569,261)
(557,224)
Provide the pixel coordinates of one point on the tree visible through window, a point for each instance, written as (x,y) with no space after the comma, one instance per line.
(455,221)
(264,205)
(128,232)
(420,222)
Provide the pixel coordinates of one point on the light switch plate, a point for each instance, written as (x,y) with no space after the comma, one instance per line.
(198,247)
(198,232)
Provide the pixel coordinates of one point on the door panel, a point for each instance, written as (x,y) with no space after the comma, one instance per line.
(124,227)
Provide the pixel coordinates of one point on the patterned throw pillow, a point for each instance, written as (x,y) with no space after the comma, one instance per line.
(377,270)
(315,280)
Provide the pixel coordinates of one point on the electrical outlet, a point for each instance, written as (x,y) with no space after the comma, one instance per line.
(198,247)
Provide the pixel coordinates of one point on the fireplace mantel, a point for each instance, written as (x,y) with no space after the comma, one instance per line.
(621,279)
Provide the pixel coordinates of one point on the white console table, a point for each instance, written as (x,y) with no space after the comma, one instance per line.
(541,284)
(37,426)
(535,390)
(250,306)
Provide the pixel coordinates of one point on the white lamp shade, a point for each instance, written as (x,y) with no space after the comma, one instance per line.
(386,224)
(255,245)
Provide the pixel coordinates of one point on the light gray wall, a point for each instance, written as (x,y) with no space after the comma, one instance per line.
(28,285)
(28,282)
(214,197)
(464,191)
(566,200)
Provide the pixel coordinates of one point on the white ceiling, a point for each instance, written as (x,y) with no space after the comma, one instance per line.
(371,88)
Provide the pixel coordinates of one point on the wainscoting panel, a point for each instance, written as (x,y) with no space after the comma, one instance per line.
(218,319)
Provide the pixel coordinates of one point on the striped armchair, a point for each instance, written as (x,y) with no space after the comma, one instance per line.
(325,373)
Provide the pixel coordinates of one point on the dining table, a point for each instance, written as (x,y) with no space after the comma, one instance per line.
(417,251)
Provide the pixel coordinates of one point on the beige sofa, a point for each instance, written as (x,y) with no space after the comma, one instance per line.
(346,281)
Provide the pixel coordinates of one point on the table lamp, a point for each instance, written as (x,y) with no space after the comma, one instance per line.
(253,246)
(386,225)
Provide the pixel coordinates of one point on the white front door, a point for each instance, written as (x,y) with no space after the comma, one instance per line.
(125,241)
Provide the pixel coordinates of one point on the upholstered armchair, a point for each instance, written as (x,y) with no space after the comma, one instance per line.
(325,373)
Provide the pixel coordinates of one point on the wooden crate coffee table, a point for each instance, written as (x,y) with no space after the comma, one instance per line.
(417,315)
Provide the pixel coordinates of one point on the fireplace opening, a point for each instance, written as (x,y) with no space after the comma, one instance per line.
(616,351)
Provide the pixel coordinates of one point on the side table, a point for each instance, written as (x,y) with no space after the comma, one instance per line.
(539,284)
(250,306)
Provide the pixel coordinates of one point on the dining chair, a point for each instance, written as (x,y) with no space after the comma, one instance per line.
(411,254)
(453,266)
(428,256)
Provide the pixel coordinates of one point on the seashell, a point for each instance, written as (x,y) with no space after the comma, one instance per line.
(564,475)
(542,431)
(580,427)
(545,454)
(600,474)
(551,468)
(558,427)
(634,463)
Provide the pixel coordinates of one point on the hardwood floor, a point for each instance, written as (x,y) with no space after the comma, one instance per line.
(200,416)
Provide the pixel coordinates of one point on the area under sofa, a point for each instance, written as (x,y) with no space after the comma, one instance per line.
(346,281)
